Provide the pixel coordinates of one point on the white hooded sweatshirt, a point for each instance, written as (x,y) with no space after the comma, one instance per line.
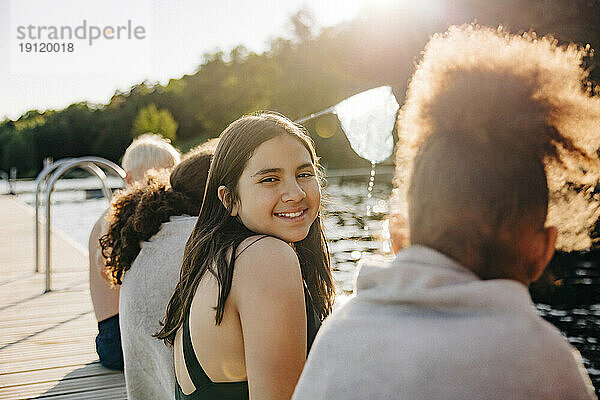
(424,327)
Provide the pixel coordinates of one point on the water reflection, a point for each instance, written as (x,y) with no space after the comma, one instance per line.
(352,232)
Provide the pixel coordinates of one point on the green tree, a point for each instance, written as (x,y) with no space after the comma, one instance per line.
(18,151)
(151,119)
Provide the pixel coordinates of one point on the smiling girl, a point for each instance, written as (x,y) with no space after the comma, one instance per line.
(256,280)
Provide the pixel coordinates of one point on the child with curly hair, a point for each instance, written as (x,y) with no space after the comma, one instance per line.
(493,127)
(149,224)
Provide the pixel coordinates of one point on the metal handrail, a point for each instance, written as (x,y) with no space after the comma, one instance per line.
(39,181)
(90,164)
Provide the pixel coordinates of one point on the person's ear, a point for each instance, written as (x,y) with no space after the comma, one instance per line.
(225,196)
(546,246)
(398,229)
(128,178)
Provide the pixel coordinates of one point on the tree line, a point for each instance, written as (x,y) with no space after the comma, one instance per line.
(296,76)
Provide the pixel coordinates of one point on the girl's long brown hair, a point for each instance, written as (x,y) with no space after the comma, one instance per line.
(217,232)
(137,212)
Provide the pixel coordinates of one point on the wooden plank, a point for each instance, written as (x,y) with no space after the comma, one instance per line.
(37,309)
(55,374)
(50,319)
(23,291)
(11,339)
(53,301)
(64,386)
(50,332)
(54,362)
(116,393)
(80,332)
(47,341)
(39,351)
(72,315)
(28,326)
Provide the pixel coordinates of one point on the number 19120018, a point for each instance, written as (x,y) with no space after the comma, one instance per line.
(46,47)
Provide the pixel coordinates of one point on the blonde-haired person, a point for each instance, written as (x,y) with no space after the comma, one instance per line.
(493,127)
(148,151)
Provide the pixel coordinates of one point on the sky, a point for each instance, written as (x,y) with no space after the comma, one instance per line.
(157,41)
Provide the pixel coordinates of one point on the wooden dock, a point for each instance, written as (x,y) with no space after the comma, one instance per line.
(47,341)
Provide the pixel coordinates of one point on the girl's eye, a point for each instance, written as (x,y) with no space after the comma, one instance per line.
(305,175)
(268,180)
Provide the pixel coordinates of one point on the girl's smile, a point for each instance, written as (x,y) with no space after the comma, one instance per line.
(292,216)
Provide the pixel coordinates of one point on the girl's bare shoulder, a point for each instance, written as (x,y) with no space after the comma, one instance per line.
(267,256)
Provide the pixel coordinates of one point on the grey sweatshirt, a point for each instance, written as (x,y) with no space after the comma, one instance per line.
(146,290)
(424,327)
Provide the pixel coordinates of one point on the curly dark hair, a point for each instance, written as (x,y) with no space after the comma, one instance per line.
(137,212)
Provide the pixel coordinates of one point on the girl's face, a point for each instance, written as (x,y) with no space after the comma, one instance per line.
(278,191)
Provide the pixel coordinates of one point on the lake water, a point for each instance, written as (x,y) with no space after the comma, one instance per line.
(353,236)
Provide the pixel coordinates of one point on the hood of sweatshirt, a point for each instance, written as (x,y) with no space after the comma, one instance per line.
(425,278)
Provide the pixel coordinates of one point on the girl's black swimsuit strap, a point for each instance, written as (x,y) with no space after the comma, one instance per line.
(195,370)
(205,388)
(245,248)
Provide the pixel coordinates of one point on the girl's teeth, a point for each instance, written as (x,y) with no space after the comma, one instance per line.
(291,215)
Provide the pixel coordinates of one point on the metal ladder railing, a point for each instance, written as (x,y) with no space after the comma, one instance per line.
(47,178)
